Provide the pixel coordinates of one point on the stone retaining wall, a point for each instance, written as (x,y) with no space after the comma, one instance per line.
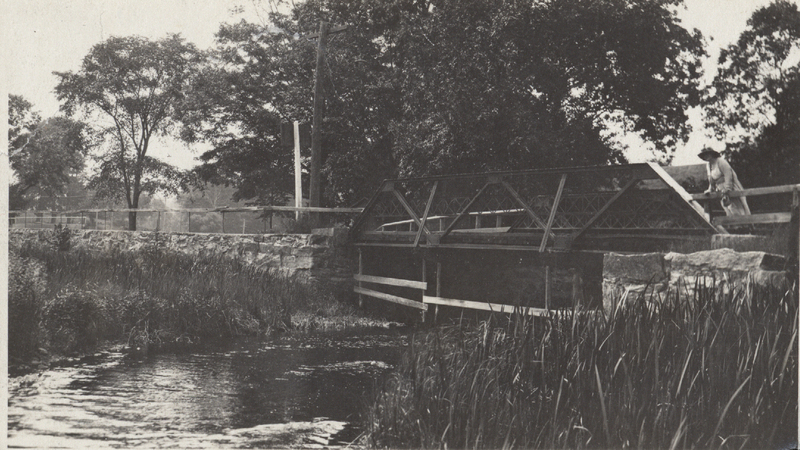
(319,257)
(626,277)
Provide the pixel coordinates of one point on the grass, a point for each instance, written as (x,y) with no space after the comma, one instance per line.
(69,301)
(718,370)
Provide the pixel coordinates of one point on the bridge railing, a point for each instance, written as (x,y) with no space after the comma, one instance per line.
(759,217)
(239,220)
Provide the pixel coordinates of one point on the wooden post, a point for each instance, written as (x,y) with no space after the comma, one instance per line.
(546,287)
(223,222)
(315,191)
(438,290)
(189,227)
(423,280)
(360,272)
(158,221)
(298,183)
(81,220)
(315,188)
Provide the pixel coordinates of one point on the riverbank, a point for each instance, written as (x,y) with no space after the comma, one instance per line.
(717,370)
(66,302)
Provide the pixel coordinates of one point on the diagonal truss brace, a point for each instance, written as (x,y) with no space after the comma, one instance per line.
(549,228)
(425,214)
(466,208)
(524,205)
(633,182)
(409,210)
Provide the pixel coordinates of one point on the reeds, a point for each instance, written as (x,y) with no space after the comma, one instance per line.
(718,370)
(154,297)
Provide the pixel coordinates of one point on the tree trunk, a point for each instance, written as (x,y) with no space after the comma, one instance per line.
(132,221)
(134,204)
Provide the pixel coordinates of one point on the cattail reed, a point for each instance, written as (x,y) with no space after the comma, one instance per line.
(715,370)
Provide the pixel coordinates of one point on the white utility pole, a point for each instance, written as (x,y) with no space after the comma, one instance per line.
(298,183)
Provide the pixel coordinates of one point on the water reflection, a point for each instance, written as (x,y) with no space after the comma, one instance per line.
(297,390)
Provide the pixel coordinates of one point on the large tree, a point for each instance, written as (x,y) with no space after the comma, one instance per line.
(136,89)
(263,76)
(45,156)
(753,104)
(429,87)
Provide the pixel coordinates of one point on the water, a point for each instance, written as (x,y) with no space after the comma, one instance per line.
(306,391)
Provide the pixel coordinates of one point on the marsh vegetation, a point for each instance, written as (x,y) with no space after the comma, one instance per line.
(718,370)
(66,302)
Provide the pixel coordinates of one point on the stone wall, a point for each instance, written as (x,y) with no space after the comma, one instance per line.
(319,257)
(657,275)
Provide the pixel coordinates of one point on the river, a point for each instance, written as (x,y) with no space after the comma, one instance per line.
(307,390)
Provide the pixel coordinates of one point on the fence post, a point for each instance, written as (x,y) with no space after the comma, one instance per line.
(223,222)
(423,280)
(360,272)
(438,289)
(189,226)
(547,287)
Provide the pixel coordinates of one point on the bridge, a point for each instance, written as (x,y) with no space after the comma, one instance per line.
(461,231)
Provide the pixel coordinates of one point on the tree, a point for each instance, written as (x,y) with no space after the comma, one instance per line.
(753,104)
(137,88)
(432,87)
(504,85)
(46,156)
(21,119)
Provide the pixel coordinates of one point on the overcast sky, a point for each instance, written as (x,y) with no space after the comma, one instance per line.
(42,36)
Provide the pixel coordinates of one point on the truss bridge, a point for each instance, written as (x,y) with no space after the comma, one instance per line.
(533,239)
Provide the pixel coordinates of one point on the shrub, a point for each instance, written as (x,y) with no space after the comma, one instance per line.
(74,320)
(26,289)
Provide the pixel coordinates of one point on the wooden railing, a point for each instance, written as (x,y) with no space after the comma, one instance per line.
(753,219)
(102,219)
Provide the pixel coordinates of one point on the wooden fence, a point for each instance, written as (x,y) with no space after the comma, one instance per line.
(251,219)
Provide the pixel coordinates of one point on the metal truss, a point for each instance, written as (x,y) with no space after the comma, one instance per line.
(570,203)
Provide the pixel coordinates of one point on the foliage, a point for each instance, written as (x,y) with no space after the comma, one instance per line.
(136,88)
(21,117)
(417,88)
(70,301)
(27,284)
(715,371)
(62,236)
(506,85)
(45,155)
(73,320)
(753,103)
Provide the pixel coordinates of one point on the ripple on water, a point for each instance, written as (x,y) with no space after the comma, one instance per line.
(304,391)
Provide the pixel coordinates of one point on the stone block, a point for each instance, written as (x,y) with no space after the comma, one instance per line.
(723,259)
(642,268)
(248,247)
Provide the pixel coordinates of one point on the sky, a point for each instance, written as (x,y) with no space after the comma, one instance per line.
(43,36)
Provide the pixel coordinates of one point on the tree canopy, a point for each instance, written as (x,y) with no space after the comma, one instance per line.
(45,155)
(753,104)
(135,88)
(431,87)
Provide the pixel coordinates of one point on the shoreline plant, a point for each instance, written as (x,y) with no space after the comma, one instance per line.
(67,302)
(717,370)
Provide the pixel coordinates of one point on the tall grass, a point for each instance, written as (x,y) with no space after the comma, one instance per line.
(718,370)
(149,297)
